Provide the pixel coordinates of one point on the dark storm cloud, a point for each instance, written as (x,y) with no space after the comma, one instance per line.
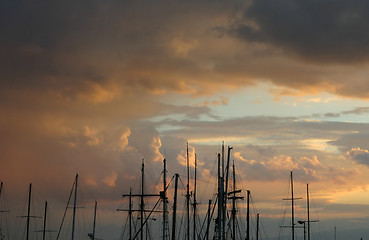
(322,30)
(63,45)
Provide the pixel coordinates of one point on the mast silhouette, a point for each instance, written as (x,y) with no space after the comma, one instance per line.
(194,201)
(28,216)
(220,197)
(223,196)
(248,216)
(257,226)
(2,211)
(164,198)
(226,185)
(29,210)
(142,205)
(44,228)
(233,197)
(74,204)
(308,209)
(188,196)
(209,220)
(130,213)
(94,226)
(292,199)
(175,207)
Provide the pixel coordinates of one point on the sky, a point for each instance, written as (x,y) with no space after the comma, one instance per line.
(93,87)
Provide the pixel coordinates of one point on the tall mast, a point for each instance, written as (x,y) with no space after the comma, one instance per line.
(29,209)
(44,228)
(164,199)
(209,220)
(308,209)
(292,199)
(227,171)
(234,204)
(188,196)
(130,213)
(2,211)
(292,210)
(248,216)
(226,186)
(174,207)
(142,206)
(74,205)
(94,226)
(194,202)
(219,200)
(257,226)
(233,196)
(223,159)
(223,196)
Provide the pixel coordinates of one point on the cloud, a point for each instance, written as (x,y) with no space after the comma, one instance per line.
(325,31)
(308,169)
(359,155)
(79,81)
(358,111)
(182,47)
(91,53)
(222,101)
(91,134)
(182,157)
(110,180)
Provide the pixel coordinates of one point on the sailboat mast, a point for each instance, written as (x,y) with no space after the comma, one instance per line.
(74,205)
(209,220)
(257,226)
(223,196)
(226,186)
(293,210)
(94,226)
(130,213)
(248,216)
(164,199)
(188,196)
(194,201)
(44,228)
(174,207)
(219,201)
(234,203)
(308,209)
(29,209)
(292,199)
(142,198)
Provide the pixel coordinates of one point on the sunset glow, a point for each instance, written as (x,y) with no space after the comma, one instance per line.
(94,87)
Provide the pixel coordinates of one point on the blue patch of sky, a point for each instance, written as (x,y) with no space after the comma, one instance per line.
(258,101)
